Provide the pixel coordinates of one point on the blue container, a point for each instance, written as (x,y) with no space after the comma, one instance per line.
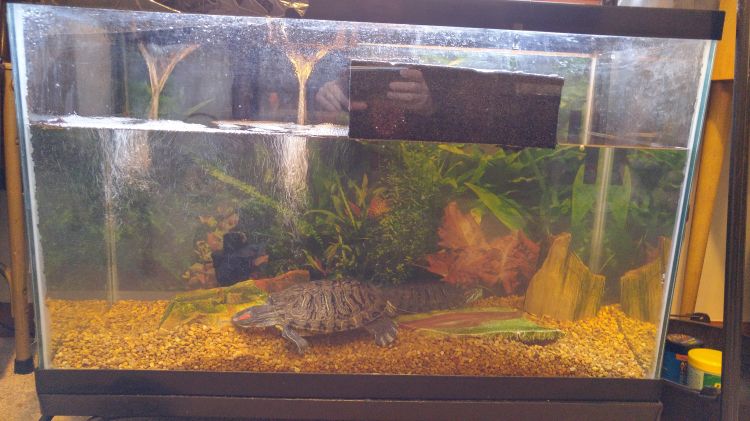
(675,363)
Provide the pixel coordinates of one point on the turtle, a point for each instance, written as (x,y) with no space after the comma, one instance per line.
(323,307)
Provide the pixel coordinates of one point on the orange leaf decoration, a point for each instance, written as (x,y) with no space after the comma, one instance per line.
(469,259)
(378,207)
(459,230)
(441,262)
(515,261)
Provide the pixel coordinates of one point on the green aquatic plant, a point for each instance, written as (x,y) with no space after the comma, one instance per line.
(255,195)
(461,168)
(527,189)
(658,178)
(416,191)
(657,181)
(381,234)
(584,197)
(503,208)
(546,181)
(641,202)
(344,229)
(420,179)
(459,165)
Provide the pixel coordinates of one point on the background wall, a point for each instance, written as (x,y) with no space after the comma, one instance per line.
(711,291)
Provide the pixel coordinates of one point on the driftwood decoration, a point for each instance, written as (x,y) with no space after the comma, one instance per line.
(564,288)
(642,289)
(160,62)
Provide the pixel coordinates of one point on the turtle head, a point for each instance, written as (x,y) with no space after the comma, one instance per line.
(257,316)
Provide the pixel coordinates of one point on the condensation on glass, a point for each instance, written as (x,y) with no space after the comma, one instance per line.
(183,168)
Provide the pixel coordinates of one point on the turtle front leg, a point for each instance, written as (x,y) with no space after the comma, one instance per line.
(384,330)
(292,335)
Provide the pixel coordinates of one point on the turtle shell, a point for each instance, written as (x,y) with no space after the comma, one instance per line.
(328,306)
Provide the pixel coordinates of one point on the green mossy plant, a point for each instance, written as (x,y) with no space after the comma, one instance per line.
(415,192)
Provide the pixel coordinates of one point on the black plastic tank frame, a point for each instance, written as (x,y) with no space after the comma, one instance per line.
(529,16)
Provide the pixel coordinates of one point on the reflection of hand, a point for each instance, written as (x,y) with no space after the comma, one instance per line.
(412,94)
(331,98)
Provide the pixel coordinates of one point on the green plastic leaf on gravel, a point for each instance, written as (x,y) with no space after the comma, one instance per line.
(490,321)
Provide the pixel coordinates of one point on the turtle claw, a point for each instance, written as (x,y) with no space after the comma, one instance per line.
(293,336)
(302,347)
(384,330)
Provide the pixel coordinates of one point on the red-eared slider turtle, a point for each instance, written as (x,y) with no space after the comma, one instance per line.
(322,307)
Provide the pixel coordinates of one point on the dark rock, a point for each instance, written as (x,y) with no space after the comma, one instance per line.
(236,261)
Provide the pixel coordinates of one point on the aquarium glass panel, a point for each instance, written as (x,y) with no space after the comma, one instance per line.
(195,202)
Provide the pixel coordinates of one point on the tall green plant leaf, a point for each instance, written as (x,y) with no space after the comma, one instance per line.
(584,197)
(457,150)
(619,199)
(504,209)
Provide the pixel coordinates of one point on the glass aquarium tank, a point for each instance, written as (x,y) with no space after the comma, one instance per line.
(195,201)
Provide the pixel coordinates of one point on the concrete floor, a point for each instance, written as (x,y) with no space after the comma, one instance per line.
(18,401)
(17,392)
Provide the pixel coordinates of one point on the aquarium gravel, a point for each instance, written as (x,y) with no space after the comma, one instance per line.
(91,334)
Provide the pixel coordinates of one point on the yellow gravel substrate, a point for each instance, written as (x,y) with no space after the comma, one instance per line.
(89,334)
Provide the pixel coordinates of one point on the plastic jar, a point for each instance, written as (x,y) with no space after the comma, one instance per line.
(704,368)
